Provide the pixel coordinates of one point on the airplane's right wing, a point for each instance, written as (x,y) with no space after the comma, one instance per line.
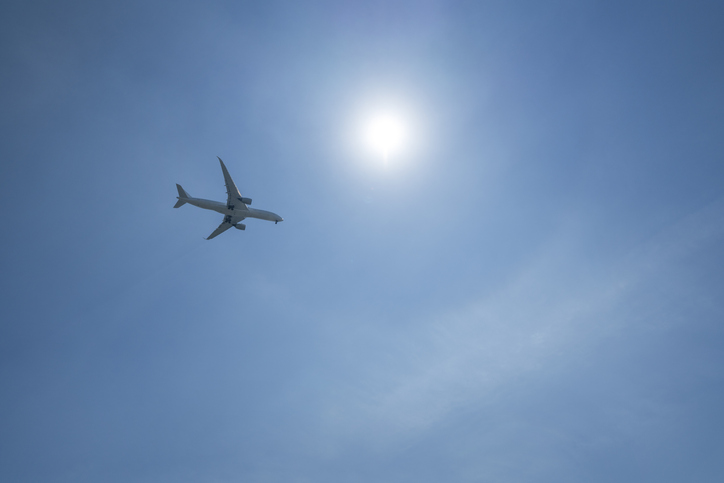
(233,195)
(228,222)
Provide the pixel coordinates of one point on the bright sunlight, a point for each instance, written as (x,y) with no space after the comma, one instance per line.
(385,134)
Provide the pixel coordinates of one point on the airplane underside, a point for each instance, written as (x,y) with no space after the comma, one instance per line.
(236,204)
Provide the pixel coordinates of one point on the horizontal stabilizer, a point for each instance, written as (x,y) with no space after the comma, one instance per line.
(179,204)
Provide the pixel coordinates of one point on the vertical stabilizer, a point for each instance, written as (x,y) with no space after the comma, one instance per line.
(182,196)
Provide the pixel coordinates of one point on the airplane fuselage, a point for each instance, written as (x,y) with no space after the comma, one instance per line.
(249,212)
(234,210)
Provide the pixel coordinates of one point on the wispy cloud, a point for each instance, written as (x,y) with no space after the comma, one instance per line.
(548,316)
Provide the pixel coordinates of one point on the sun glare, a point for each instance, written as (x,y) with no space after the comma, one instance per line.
(386,134)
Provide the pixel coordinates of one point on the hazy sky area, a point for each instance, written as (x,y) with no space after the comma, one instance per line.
(531,289)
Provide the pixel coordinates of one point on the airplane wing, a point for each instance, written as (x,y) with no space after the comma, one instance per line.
(233,195)
(228,222)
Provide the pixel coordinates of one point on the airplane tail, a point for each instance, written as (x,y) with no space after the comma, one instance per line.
(181,195)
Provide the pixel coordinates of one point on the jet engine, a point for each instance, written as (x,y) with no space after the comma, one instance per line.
(240,226)
(246,201)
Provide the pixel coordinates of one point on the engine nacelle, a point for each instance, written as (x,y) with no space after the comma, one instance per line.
(240,226)
(246,201)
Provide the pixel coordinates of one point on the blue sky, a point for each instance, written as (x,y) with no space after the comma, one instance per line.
(530,291)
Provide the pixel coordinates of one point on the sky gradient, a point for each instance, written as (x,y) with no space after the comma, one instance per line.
(532,290)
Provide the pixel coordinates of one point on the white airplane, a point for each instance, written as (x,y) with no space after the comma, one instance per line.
(234,210)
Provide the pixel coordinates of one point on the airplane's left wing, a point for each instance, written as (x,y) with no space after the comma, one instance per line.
(233,195)
(228,222)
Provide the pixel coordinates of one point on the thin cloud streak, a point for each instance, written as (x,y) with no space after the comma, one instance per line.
(550,316)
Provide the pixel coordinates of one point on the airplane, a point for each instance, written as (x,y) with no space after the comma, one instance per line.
(234,210)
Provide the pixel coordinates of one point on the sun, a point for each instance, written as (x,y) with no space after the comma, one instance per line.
(386,134)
